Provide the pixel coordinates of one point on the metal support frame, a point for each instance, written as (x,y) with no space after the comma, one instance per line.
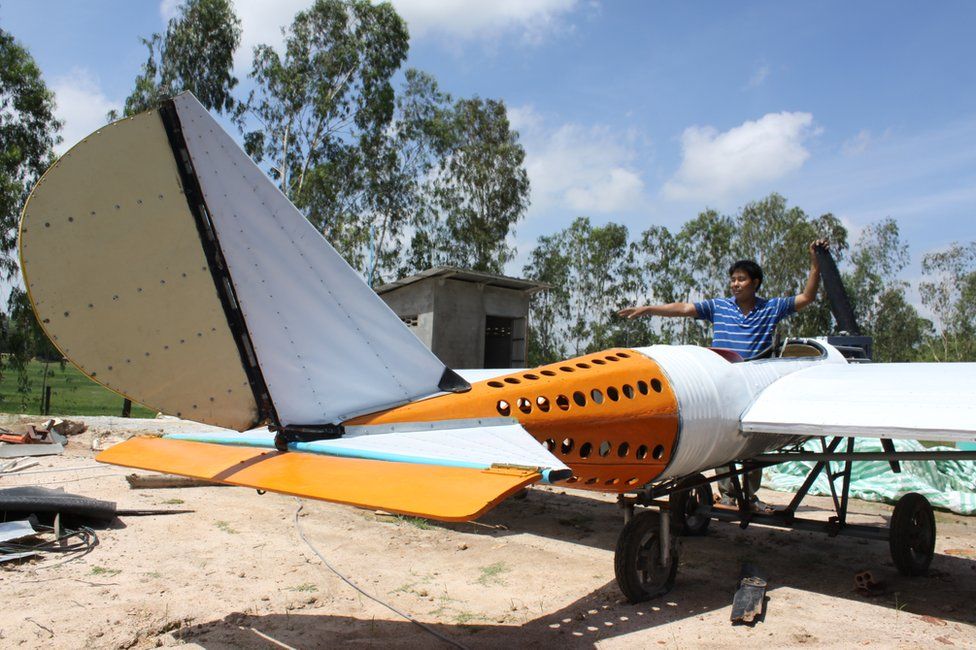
(837,524)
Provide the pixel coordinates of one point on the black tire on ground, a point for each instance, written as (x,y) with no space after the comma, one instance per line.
(691,509)
(637,560)
(912,534)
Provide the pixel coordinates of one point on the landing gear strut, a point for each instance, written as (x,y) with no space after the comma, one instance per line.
(646,558)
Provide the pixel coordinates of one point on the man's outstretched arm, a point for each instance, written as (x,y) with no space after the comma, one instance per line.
(686,309)
(813,280)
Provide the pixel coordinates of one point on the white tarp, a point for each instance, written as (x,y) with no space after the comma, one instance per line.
(328,346)
(918,401)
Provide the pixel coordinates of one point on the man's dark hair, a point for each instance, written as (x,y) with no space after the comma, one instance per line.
(753,270)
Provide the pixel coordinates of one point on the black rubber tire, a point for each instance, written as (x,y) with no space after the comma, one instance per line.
(637,560)
(691,509)
(912,534)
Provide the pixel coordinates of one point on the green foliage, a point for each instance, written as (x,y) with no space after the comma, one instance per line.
(196,54)
(584,265)
(28,133)
(878,297)
(482,189)
(322,110)
(950,294)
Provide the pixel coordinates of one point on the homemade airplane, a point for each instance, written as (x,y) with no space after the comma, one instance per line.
(167,267)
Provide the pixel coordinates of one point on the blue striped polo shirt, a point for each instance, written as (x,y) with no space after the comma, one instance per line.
(747,334)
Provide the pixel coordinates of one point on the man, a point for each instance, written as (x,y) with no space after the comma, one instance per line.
(743,322)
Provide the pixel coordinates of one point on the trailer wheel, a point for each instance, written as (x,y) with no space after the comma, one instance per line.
(637,560)
(691,509)
(912,534)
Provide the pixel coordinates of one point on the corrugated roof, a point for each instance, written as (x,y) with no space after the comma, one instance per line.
(463,275)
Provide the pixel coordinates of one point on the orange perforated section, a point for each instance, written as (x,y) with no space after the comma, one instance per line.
(611,416)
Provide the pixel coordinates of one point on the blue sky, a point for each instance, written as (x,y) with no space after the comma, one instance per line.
(646,112)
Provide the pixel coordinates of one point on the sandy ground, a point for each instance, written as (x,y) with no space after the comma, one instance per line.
(536,572)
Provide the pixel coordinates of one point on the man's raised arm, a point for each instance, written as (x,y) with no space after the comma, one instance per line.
(813,280)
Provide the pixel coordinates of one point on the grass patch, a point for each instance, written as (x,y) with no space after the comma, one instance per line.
(416,522)
(226,527)
(465,617)
(104,572)
(305,587)
(72,393)
(490,574)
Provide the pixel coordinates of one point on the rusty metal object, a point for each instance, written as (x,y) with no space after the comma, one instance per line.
(749,600)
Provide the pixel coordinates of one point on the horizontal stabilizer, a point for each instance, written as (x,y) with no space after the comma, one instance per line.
(918,401)
(434,491)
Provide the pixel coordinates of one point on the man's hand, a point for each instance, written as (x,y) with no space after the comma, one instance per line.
(814,245)
(632,312)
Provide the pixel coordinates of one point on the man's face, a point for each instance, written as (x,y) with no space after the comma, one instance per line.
(742,285)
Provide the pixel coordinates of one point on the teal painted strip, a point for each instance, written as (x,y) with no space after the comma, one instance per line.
(237,441)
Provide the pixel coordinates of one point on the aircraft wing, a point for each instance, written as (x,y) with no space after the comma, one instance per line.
(452,471)
(919,401)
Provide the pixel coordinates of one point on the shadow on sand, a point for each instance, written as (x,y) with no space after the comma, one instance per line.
(707,577)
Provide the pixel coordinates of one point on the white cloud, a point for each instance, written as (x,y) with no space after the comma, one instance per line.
(716,165)
(759,76)
(577,168)
(858,144)
(169,9)
(81,105)
(263,21)
(261,24)
(465,19)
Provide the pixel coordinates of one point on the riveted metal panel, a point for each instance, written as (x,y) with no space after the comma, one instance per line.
(115,270)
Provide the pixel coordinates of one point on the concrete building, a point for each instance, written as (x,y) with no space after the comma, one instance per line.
(468,319)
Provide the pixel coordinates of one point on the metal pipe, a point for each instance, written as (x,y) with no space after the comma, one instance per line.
(786,457)
(665,540)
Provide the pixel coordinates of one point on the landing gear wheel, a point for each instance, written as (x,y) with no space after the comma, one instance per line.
(691,509)
(912,534)
(637,560)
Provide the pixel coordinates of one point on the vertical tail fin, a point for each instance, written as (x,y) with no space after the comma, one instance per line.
(168,267)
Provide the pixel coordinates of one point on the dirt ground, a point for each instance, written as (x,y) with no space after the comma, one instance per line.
(536,572)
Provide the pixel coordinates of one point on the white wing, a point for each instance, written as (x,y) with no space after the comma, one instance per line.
(920,401)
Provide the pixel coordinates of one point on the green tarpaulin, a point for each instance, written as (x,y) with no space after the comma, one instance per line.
(947,484)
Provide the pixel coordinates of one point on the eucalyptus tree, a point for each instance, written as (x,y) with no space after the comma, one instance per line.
(878,296)
(28,134)
(481,189)
(196,54)
(586,266)
(950,293)
(320,111)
